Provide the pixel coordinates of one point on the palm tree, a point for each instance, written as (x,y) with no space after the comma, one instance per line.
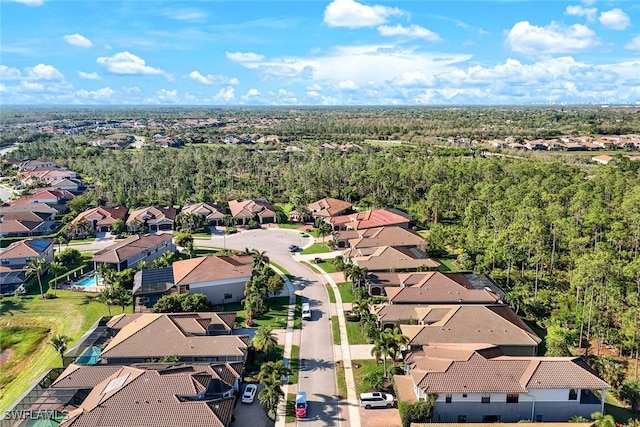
(260,259)
(120,296)
(37,266)
(265,340)
(56,268)
(59,343)
(603,420)
(107,297)
(396,342)
(379,351)
(324,229)
(141,265)
(190,249)
(270,396)
(274,370)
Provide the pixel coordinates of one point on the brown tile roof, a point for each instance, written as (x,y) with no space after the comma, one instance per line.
(328,207)
(389,258)
(249,208)
(371,219)
(438,288)
(152,215)
(18,226)
(386,236)
(31,207)
(189,323)
(498,325)
(212,268)
(145,398)
(84,376)
(404,386)
(26,248)
(129,247)
(159,335)
(211,211)
(462,369)
(104,215)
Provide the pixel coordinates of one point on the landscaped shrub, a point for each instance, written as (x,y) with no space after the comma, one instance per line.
(418,412)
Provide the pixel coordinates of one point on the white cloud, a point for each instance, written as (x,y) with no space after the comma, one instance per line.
(412,31)
(577,10)
(634,43)
(414,78)
(226,94)
(31,3)
(184,14)
(210,79)
(9,73)
(167,96)
(251,94)
(351,14)
(77,40)
(104,93)
(244,56)
(89,76)
(347,85)
(43,72)
(615,19)
(555,38)
(127,63)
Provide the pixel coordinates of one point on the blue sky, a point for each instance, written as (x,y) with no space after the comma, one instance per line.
(340,52)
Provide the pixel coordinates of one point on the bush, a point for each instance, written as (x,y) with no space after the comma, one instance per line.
(418,412)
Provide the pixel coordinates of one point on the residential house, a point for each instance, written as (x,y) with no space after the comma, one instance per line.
(151,284)
(370,219)
(602,159)
(166,395)
(46,175)
(435,287)
(30,165)
(222,279)
(204,323)
(390,258)
(479,383)
(459,324)
(31,219)
(328,207)
(68,184)
(101,218)
(212,212)
(384,236)
(130,251)
(152,218)
(185,336)
(244,211)
(57,199)
(14,261)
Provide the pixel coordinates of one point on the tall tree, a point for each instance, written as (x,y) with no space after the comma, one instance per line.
(264,340)
(59,343)
(56,268)
(37,266)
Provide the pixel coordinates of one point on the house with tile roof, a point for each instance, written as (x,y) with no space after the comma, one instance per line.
(260,209)
(328,207)
(15,259)
(462,324)
(130,251)
(370,219)
(435,287)
(153,218)
(386,236)
(479,383)
(390,258)
(152,395)
(213,213)
(31,219)
(100,219)
(186,336)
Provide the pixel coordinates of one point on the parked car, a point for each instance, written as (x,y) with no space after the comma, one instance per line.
(249,393)
(301,404)
(293,248)
(376,399)
(306,310)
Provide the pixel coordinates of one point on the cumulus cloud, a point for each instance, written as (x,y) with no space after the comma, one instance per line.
(43,72)
(351,14)
(226,94)
(88,76)
(77,40)
(634,43)
(615,19)
(552,39)
(168,96)
(412,31)
(577,10)
(127,63)
(210,79)
(9,73)
(244,56)
(104,93)
(251,94)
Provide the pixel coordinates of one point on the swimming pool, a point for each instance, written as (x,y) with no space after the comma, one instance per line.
(87,281)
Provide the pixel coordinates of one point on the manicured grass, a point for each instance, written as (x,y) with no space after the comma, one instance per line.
(448,264)
(71,314)
(19,342)
(332,296)
(335,328)
(316,248)
(620,412)
(290,226)
(81,241)
(297,315)
(327,267)
(202,235)
(206,252)
(345,291)
(277,315)
(282,269)
(294,364)
(290,414)
(311,267)
(341,381)
(354,335)
(366,366)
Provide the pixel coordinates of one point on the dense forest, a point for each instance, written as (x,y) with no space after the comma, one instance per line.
(564,241)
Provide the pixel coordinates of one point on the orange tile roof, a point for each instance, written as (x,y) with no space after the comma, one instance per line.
(328,207)
(371,219)
(212,268)
(129,247)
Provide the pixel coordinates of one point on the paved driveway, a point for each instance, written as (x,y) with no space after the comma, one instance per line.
(250,414)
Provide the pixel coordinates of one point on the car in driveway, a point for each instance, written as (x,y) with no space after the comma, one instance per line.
(249,393)
(376,400)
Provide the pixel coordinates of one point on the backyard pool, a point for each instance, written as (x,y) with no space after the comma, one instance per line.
(87,281)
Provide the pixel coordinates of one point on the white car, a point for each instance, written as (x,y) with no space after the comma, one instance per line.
(249,393)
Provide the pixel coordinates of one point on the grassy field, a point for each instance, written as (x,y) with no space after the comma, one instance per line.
(354,334)
(290,226)
(345,291)
(316,248)
(276,317)
(35,320)
(327,267)
(366,366)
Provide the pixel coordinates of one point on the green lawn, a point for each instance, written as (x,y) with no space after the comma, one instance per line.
(332,296)
(297,315)
(202,235)
(81,241)
(345,291)
(341,381)
(316,248)
(290,226)
(276,317)
(366,366)
(335,328)
(448,264)
(327,267)
(290,414)
(294,364)
(354,335)
(71,314)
